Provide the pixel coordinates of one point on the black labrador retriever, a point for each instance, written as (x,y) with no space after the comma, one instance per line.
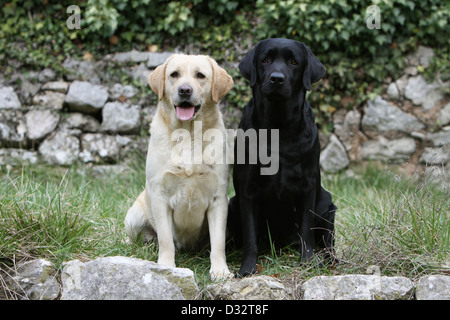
(290,206)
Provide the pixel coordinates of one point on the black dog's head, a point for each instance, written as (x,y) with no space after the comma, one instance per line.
(281,68)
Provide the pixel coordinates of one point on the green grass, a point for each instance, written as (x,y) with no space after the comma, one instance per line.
(397,223)
(401,224)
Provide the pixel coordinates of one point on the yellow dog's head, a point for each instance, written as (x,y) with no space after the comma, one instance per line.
(189,83)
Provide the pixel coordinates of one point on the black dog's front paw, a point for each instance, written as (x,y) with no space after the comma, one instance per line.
(247,270)
(306,255)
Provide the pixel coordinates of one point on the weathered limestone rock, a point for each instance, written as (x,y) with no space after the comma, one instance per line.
(422,57)
(334,157)
(46,75)
(444,115)
(86,97)
(15,157)
(393,91)
(436,156)
(433,287)
(8,98)
(60,148)
(440,138)
(421,93)
(346,128)
(383,149)
(121,118)
(133,56)
(35,280)
(80,70)
(12,128)
(123,278)
(58,86)
(141,73)
(439,176)
(40,123)
(50,99)
(28,89)
(249,288)
(381,116)
(358,287)
(157,58)
(119,91)
(97,147)
(76,123)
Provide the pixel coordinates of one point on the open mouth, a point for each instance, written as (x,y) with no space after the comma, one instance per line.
(186,110)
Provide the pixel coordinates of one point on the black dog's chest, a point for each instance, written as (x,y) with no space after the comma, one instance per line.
(287,184)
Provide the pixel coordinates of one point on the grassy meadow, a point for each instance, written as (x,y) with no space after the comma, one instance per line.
(395,222)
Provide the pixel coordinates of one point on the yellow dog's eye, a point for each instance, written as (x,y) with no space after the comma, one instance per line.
(174,74)
(200,75)
(293,62)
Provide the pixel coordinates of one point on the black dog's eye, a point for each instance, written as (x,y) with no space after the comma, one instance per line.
(265,60)
(200,75)
(293,62)
(174,74)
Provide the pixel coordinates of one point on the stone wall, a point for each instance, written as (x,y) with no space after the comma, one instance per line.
(407,124)
(125,278)
(89,116)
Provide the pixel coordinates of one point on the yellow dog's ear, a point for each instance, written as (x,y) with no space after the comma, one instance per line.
(157,79)
(221,82)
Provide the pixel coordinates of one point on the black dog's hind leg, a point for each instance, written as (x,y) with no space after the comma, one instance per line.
(234,223)
(324,226)
(306,241)
(249,237)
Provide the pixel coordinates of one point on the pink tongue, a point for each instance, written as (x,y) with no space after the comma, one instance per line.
(185,113)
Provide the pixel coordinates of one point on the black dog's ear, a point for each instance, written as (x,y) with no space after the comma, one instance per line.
(314,69)
(247,67)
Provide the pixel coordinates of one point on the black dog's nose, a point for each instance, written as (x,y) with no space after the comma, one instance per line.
(277,78)
(184,91)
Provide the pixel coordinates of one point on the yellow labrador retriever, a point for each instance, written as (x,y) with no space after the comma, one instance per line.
(185,193)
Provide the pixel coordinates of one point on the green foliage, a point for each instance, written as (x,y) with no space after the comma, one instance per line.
(398,223)
(101,17)
(34,38)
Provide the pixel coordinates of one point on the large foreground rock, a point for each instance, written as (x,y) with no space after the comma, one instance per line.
(358,287)
(122,278)
(433,287)
(34,280)
(250,288)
